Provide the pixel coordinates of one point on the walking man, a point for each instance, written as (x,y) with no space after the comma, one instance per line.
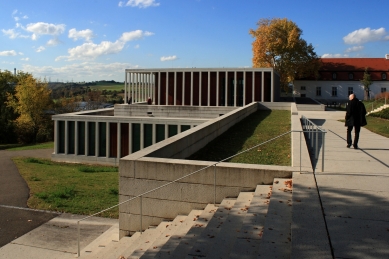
(355,118)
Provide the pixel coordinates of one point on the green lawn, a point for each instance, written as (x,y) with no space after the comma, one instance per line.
(71,188)
(378,125)
(18,147)
(255,129)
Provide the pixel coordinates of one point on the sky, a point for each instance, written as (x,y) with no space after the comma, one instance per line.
(92,40)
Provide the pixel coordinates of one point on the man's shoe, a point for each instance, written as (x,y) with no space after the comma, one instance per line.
(355,147)
(348,146)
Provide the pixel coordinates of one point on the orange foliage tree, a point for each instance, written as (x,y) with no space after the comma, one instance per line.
(278,44)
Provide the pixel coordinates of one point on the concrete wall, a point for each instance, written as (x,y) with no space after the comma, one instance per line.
(163,162)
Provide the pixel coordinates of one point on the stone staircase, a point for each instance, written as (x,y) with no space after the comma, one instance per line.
(385,106)
(253,225)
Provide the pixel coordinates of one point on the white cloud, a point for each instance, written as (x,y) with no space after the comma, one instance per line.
(139,3)
(136,46)
(83,34)
(169,58)
(41,28)
(91,50)
(8,53)
(25,59)
(334,56)
(53,42)
(84,71)
(11,33)
(354,49)
(365,35)
(40,49)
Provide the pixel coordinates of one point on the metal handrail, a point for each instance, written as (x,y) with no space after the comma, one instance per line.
(178,179)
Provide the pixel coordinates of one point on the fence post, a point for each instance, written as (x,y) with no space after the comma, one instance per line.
(78,238)
(141,214)
(317,143)
(214,185)
(322,152)
(300,151)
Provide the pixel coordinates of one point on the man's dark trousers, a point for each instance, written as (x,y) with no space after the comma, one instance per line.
(356,137)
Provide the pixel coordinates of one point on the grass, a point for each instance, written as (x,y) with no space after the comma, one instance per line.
(378,125)
(373,104)
(71,188)
(108,86)
(18,147)
(255,129)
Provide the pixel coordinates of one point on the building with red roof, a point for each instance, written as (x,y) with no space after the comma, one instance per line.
(339,77)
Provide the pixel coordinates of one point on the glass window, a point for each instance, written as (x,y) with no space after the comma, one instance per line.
(383,76)
(350,76)
(334,91)
(333,75)
(318,91)
(302,88)
(350,90)
(383,89)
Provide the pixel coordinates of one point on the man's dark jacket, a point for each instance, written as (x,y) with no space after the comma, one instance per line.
(355,115)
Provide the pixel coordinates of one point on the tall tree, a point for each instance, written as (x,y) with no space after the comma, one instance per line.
(278,44)
(366,82)
(30,101)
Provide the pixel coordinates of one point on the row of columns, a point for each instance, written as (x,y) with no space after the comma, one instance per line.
(108,135)
(139,86)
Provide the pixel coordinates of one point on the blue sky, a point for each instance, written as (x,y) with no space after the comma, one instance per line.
(92,40)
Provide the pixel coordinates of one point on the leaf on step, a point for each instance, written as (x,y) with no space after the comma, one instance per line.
(155,247)
(288,183)
(280,201)
(270,229)
(276,181)
(147,241)
(211,236)
(167,235)
(297,200)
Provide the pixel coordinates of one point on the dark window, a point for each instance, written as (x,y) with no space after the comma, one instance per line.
(302,88)
(383,76)
(383,89)
(61,137)
(160,132)
(135,137)
(334,76)
(147,135)
(81,138)
(318,91)
(334,91)
(71,137)
(172,130)
(102,139)
(350,76)
(184,127)
(91,138)
(350,90)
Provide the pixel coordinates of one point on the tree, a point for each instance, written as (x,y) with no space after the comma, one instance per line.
(366,82)
(7,114)
(31,100)
(278,44)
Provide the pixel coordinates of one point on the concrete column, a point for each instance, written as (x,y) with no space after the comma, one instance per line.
(132,88)
(142,138)
(175,88)
(244,88)
(166,131)
(226,90)
(253,87)
(159,88)
(154,132)
(56,136)
(119,140)
(167,88)
(209,88)
(125,89)
(200,88)
(130,138)
(178,128)
(217,88)
(66,137)
(108,135)
(97,139)
(183,88)
(86,138)
(262,86)
(76,138)
(191,88)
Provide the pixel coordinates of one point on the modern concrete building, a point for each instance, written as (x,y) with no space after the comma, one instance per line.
(182,99)
(339,77)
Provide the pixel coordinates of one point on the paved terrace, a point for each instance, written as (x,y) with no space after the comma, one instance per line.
(354,189)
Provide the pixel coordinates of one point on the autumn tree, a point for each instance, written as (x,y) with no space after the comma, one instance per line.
(366,82)
(30,101)
(278,44)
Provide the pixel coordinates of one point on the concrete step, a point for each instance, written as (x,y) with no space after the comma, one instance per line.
(160,241)
(145,240)
(208,223)
(248,238)
(103,241)
(276,238)
(115,249)
(172,243)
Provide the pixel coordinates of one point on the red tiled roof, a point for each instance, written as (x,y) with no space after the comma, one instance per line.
(354,64)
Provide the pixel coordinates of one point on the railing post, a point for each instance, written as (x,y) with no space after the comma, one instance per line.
(322,152)
(141,214)
(317,143)
(300,151)
(214,185)
(78,238)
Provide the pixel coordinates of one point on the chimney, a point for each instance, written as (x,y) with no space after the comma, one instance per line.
(387,56)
